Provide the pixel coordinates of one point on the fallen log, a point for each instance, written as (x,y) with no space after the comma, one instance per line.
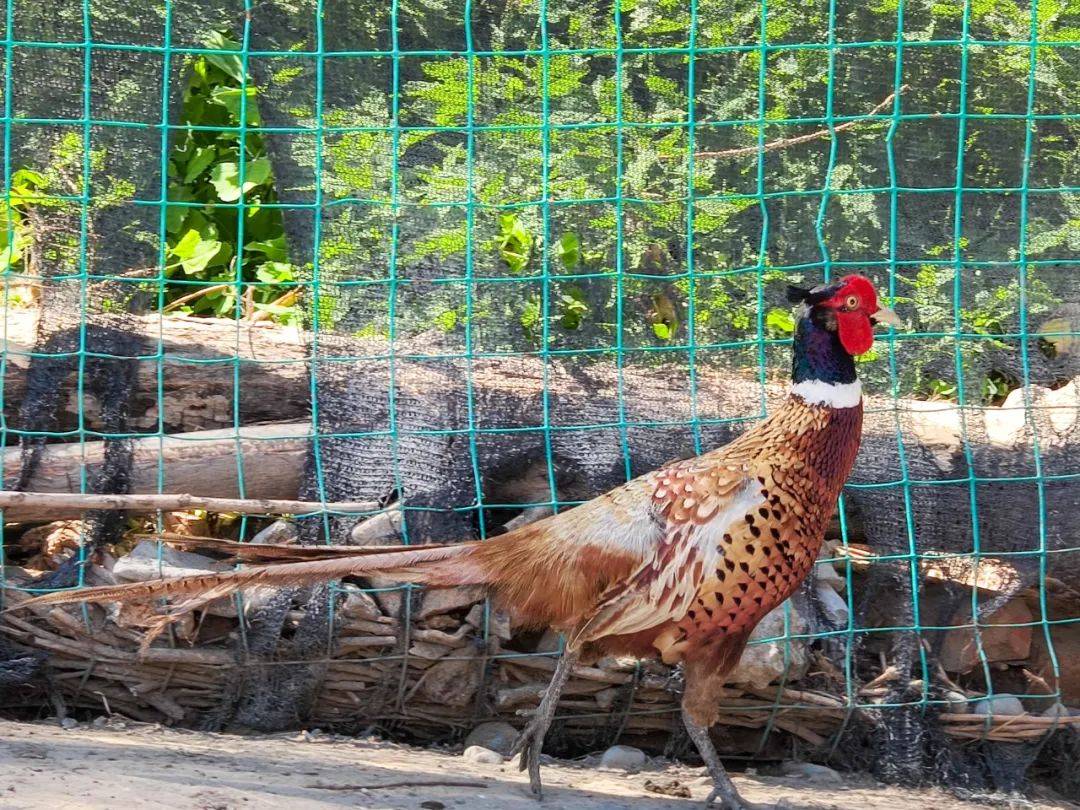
(213,372)
(268,459)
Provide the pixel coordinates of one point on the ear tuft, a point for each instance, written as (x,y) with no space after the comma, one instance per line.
(796,295)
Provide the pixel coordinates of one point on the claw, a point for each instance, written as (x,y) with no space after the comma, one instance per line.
(528,744)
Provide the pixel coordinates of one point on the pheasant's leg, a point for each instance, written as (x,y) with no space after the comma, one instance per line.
(723,787)
(531,739)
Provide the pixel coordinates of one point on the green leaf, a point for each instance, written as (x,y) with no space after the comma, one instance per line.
(662,330)
(202,158)
(275,273)
(231,97)
(195,253)
(273,249)
(780,321)
(225,178)
(569,250)
(230,65)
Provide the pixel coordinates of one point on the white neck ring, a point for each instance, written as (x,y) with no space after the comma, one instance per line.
(834,395)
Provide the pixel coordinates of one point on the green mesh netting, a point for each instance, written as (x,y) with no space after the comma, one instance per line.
(554,236)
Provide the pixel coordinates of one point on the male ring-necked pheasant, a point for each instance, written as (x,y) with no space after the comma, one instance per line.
(680,563)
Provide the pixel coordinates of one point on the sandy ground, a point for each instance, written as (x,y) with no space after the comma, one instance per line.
(130,767)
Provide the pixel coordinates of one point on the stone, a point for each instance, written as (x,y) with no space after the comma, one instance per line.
(444,600)
(761,664)
(956,703)
(1057,710)
(815,774)
(825,573)
(280,531)
(1062,406)
(478,755)
(359,605)
(1005,424)
(833,606)
(69,723)
(959,651)
(453,682)
(938,427)
(999,705)
(144,563)
(383,529)
(623,758)
(495,735)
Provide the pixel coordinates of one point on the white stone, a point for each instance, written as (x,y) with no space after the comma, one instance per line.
(1062,406)
(280,531)
(378,530)
(623,758)
(999,705)
(478,755)
(938,427)
(826,574)
(494,735)
(1005,425)
(69,723)
(818,774)
(143,563)
(833,605)
(761,664)
(957,703)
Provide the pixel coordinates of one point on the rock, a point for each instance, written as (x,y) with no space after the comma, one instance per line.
(761,664)
(280,531)
(825,573)
(389,593)
(479,755)
(144,563)
(623,758)
(606,698)
(937,425)
(1062,406)
(69,723)
(494,735)
(1057,710)
(833,606)
(444,600)
(454,682)
(815,774)
(383,529)
(959,651)
(1005,424)
(359,605)
(529,515)
(999,705)
(100,721)
(956,703)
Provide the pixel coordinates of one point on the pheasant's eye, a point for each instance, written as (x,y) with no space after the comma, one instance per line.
(852,302)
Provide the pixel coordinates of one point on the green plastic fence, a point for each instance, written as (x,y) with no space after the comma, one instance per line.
(631,179)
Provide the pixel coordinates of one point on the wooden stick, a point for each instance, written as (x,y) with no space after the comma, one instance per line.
(176,503)
(783,143)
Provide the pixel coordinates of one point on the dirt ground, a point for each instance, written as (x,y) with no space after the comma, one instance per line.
(132,767)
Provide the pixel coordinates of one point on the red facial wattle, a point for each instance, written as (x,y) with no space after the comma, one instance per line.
(853,324)
(855,331)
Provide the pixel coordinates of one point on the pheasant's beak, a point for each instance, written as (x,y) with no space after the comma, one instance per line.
(886,316)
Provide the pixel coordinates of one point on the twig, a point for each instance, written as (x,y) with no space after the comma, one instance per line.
(286,300)
(471,783)
(784,143)
(178,503)
(183,299)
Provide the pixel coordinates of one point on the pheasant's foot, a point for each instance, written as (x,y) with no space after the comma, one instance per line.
(529,744)
(724,794)
(531,739)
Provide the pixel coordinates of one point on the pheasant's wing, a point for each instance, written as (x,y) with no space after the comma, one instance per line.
(696,502)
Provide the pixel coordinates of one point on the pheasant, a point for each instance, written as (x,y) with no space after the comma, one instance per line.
(679,564)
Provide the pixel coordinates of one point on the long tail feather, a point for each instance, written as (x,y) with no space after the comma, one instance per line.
(435,564)
(269,552)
